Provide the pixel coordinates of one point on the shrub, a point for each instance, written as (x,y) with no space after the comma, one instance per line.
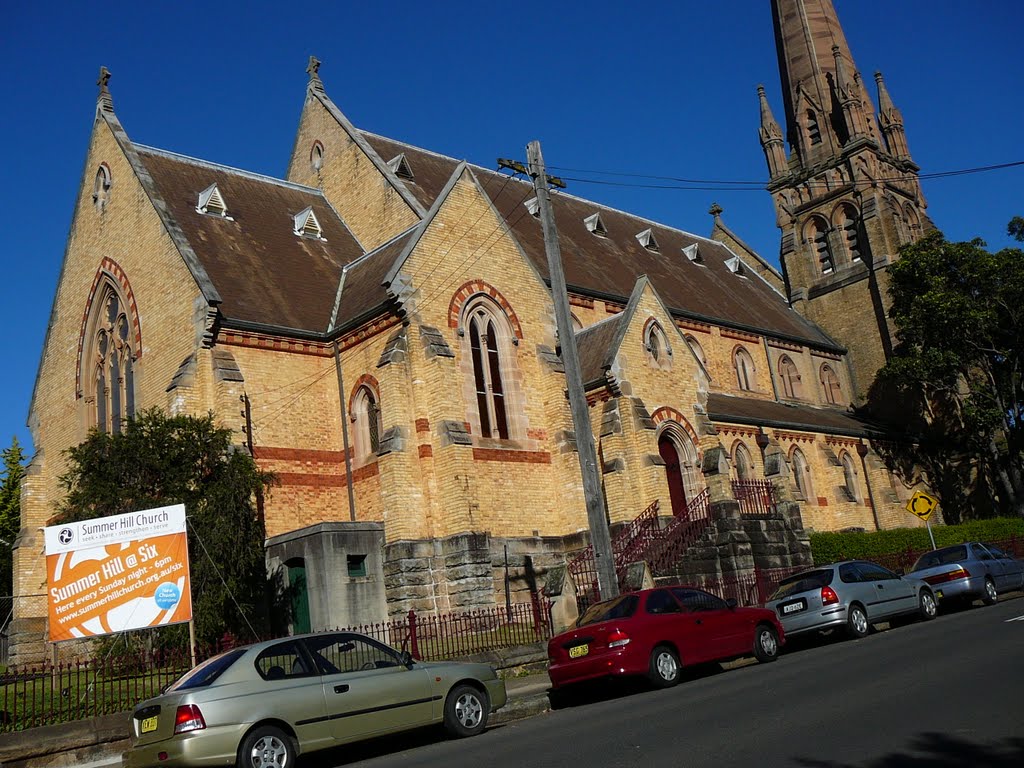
(829,547)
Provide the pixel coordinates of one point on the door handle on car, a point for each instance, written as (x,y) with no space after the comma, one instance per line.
(341,688)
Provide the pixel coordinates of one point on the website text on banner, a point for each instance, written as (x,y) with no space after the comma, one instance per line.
(117,573)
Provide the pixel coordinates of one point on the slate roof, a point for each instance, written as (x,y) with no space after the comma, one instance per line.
(609,266)
(768,413)
(264,272)
(594,345)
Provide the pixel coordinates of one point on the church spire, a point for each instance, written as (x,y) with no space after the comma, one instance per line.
(104,101)
(771,138)
(890,120)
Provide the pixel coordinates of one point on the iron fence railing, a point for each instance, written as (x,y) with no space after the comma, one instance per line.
(746,589)
(756,497)
(46,693)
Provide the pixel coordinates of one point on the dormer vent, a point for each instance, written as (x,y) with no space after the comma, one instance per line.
(306,224)
(735,266)
(401,167)
(595,225)
(211,202)
(693,254)
(647,240)
(533,206)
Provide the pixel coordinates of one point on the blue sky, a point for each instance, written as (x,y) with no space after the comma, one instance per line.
(642,87)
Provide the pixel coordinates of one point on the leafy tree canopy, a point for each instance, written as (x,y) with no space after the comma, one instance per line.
(158,460)
(10,513)
(955,375)
(1015,228)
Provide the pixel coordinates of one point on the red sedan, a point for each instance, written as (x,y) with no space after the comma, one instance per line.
(655,631)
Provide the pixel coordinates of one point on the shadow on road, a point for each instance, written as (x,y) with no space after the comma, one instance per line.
(614,688)
(938,750)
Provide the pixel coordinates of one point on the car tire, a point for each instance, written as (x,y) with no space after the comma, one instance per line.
(927,608)
(857,622)
(663,669)
(989,596)
(465,711)
(267,746)
(766,643)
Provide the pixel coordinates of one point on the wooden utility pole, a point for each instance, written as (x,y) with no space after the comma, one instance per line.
(600,538)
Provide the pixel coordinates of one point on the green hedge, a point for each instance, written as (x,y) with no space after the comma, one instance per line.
(829,547)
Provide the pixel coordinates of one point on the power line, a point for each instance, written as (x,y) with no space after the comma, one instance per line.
(719,185)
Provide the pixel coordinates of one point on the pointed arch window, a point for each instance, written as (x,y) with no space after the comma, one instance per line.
(744,365)
(112,380)
(366,417)
(801,475)
(817,235)
(489,333)
(698,350)
(813,129)
(101,187)
(830,385)
(742,463)
(913,223)
(850,486)
(789,376)
(657,346)
(847,223)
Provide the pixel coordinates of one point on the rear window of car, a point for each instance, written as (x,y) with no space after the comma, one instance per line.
(207,672)
(618,608)
(802,582)
(946,556)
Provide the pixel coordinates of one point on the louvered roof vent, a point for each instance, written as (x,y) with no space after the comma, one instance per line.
(211,202)
(400,165)
(306,224)
(647,240)
(735,265)
(533,206)
(595,225)
(693,254)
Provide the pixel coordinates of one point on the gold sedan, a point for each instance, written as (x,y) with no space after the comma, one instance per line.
(262,705)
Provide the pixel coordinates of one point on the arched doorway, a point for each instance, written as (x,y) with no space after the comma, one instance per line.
(680,456)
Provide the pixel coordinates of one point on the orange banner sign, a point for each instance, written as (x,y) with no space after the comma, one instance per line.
(118,573)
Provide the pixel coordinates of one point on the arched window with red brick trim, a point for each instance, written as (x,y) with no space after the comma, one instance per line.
(489,337)
(111,378)
(366,420)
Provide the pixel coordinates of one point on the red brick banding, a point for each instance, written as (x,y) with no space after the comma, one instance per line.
(425,451)
(514,457)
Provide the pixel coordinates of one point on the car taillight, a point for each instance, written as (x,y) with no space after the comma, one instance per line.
(617,639)
(956,573)
(829,596)
(188,718)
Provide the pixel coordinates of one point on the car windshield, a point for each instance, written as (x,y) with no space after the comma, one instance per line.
(802,582)
(207,672)
(945,556)
(617,608)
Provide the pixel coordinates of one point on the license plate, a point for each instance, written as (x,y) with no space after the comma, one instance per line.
(578,651)
(793,607)
(148,725)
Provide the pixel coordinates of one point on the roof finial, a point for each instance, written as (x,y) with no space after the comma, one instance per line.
(104,101)
(715,210)
(314,73)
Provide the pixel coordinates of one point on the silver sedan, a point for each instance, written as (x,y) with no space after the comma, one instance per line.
(851,595)
(969,572)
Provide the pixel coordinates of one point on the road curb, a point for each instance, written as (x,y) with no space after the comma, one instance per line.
(521,708)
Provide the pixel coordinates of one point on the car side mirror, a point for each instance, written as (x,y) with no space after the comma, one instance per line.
(731,602)
(900,572)
(407,659)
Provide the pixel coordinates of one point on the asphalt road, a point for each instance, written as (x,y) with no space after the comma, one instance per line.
(946,694)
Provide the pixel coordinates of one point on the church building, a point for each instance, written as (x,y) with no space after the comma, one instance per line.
(378,329)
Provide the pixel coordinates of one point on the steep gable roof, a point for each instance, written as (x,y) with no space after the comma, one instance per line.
(264,273)
(607,267)
(596,346)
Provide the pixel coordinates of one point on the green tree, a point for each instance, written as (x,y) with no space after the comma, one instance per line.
(954,379)
(10,513)
(159,460)
(1015,228)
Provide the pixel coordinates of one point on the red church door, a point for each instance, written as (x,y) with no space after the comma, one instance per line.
(674,475)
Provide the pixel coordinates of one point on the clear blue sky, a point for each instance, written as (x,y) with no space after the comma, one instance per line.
(648,87)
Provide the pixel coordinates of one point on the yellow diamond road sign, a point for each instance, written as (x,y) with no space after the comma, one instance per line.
(922,505)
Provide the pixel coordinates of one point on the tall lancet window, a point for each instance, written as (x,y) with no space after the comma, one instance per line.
(488,333)
(113,372)
(817,235)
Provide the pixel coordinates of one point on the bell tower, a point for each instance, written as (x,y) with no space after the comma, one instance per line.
(847,193)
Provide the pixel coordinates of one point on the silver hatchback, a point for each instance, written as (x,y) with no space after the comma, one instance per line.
(851,595)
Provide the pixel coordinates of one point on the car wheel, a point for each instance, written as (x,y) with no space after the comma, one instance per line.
(766,643)
(267,747)
(465,711)
(857,622)
(926,607)
(664,667)
(990,596)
